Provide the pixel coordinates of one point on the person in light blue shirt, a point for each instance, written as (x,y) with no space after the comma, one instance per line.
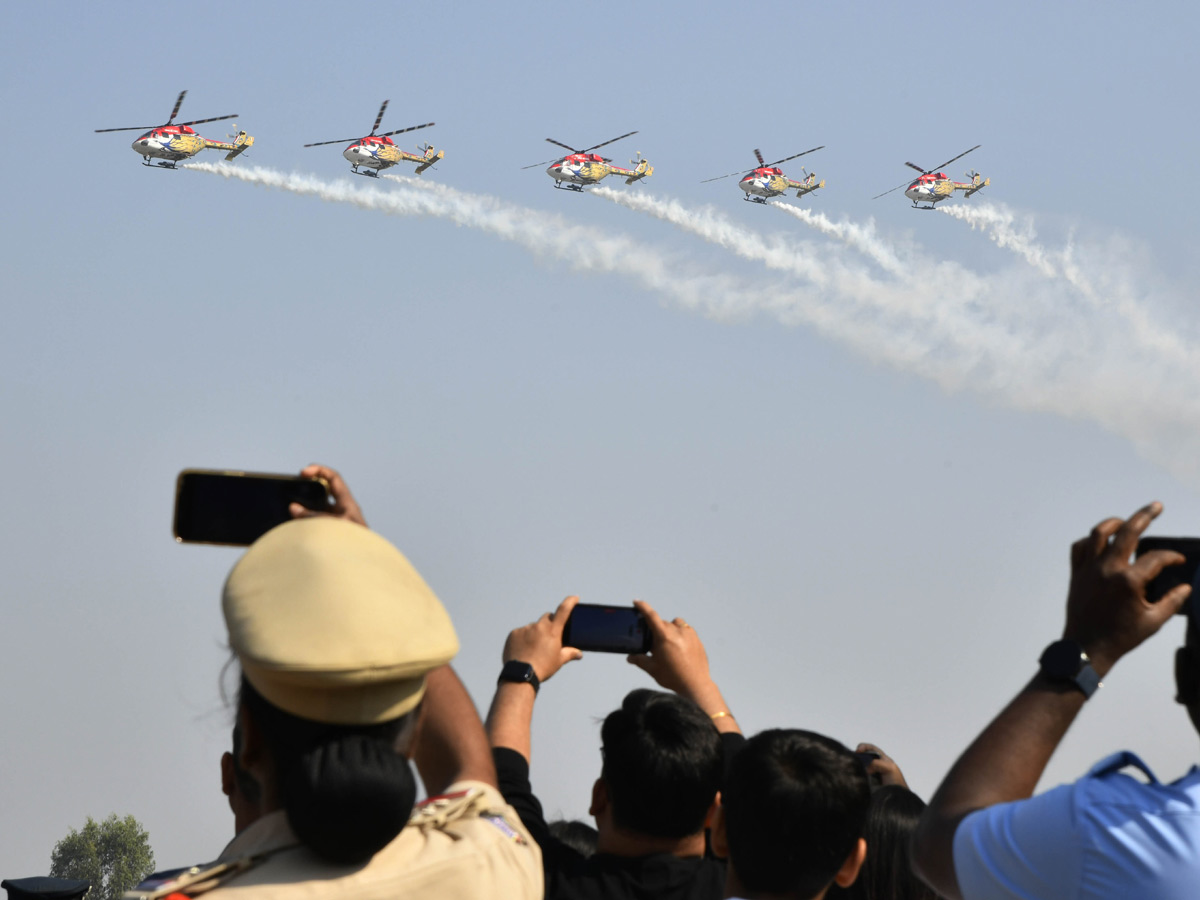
(1110,834)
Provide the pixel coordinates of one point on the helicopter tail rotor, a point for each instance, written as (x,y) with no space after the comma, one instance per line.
(641,168)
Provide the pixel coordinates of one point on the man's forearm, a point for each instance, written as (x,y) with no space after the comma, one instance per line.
(1003,764)
(451,745)
(511,717)
(708,697)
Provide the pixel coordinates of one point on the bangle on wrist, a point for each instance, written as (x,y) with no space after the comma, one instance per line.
(721,715)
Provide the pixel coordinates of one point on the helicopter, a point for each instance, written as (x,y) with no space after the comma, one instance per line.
(934,187)
(378,151)
(170,143)
(582,167)
(768,181)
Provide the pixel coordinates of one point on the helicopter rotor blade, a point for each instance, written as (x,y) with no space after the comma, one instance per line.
(403,130)
(896,188)
(758,154)
(918,168)
(138,128)
(202,121)
(343,141)
(546,163)
(178,103)
(606,143)
(960,156)
(564,146)
(794,156)
(730,175)
(379,118)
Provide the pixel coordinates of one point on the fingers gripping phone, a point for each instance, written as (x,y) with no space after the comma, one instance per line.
(1173,576)
(607,629)
(237,508)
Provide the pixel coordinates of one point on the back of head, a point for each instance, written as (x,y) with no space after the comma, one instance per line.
(795,804)
(662,764)
(887,873)
(335,631)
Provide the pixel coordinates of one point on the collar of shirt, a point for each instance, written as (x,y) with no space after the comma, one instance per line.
(268,833)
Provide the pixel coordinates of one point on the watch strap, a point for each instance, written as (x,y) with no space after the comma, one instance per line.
(518,672)
(1066,660)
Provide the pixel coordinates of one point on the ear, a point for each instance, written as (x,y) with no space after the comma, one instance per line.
(719,836)
(253,750)
(228,782)
(849,870)
(1187,690)
(599,798)
(712,811)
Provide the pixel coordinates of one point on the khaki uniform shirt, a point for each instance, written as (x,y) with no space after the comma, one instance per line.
(467,843)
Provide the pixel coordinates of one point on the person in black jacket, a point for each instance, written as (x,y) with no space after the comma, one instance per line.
(664,760)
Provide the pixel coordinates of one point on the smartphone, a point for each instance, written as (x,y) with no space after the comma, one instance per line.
(608,629)
(1172,576)
(237,508)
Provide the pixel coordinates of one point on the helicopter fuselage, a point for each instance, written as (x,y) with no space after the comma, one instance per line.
(766,182)
(379,152)
(580,169)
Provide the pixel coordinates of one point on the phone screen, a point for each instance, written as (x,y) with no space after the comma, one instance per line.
(608,629)
(1172,576)
(237,508)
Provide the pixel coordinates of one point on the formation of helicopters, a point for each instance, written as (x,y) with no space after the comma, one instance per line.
(170,143)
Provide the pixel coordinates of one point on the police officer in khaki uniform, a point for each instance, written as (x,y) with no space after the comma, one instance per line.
(344,651)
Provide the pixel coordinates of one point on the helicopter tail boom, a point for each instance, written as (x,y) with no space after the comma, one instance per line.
(978,183)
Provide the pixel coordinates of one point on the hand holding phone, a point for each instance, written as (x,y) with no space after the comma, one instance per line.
(1172,576)
(237,508)
(607,629)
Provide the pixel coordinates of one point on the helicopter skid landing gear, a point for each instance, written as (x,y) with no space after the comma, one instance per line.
(578,188)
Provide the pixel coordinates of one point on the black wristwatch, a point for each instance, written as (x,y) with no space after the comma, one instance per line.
(1066,660)
(519,673)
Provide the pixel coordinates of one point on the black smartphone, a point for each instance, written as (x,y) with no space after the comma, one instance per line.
(237,508)
(1172,576)
(608,629)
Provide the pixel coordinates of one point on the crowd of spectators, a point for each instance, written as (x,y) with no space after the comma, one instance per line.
(345,653)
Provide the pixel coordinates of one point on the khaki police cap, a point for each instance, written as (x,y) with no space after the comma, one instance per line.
(331,623)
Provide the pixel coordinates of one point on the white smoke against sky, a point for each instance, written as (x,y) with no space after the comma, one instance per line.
(1041,338)
(1033,338)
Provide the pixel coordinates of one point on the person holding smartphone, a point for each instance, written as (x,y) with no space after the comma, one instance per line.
(1107,835)
(665,754)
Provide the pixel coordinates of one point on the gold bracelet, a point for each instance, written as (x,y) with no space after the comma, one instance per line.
(722,714)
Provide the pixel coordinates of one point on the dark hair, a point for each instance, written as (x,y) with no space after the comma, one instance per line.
(579,836)
(346,790)
(662,764)
(887,874)
(794,805)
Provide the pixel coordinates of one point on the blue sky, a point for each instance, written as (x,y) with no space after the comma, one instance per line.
(863,501)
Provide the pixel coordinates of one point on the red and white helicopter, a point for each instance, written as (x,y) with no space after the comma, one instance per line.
(583,167)
(169,143)
(377,151)
(933,187)
(768,181)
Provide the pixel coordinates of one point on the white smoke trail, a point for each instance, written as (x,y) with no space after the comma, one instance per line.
(999,224)
(1029,345)
(1001,336)
(544,234)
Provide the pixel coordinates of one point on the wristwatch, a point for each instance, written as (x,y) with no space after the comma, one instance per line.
(519,673)
(1066,660)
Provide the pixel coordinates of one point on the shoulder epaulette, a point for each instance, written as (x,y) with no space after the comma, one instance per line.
(191,881)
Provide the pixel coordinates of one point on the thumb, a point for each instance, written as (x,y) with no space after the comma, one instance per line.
(572,653)
(300,512)
(1173,602)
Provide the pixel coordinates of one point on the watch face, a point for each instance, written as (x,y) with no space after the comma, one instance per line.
(1063,659)
(517,671)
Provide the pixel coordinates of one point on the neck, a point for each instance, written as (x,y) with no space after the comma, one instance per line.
(733,888)
(619,842)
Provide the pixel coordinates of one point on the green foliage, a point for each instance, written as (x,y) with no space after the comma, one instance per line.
(113,855)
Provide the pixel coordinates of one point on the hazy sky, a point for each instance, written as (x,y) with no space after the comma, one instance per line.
(852,450)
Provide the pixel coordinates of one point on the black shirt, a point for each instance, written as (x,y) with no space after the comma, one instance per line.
(572,876)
